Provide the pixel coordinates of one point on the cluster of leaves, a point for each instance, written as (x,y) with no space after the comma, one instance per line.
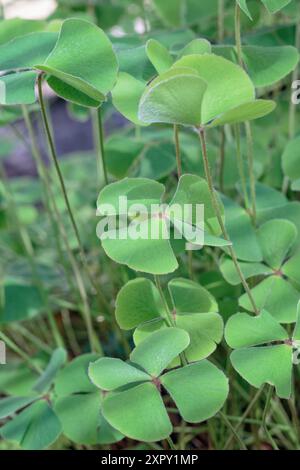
(178,79)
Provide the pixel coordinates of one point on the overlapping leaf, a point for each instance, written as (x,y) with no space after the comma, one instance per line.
(138,410)
(192,93)
(193,309)
(144,243)
(263,350)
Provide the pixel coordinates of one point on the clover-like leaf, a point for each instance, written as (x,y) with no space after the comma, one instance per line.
(196,46)
(277,296)
(17,88)
(202,380)
(27,50)
(265,65)
(108,373)
(159,56)
(83,59)
(143,240)
(78,405)
(193,309)
(275,293)
(256,359)
(35,428)
(276,238)
(169,98)
(241,231)
(137,302)
(167,344)
(126,96)
(11,405)
(192,93)
(138,411)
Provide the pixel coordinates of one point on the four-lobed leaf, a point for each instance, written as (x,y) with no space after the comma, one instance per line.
(137,409)
(202,90)
(263,351)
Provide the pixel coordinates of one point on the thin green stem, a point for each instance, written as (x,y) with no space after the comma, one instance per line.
(240,163)
(265,416)
(232,429)
(244,416)
(171,443)
(250,155)
(169,318)
(222,160)
(64,191)
(216,207)
(99,146)
(238,40)
(177,150)
(14,347)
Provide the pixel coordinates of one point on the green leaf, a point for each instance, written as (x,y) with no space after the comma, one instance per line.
(244,7)
(241,232)
(145,254)
(194,190)
(83,58)
(126,97)
(291,268)
(108,373)
(291,159)
(205,331)
(27,51)
(158,350)
(82,420)
(57,360)
(137,302)
(242,330)
(120,154)
(21,302)
(277,296)
(157,162)
(268,65)
(276,238)
(222,95)
(275,5)
(34,429)
(10,405)
(73,378)
(136,190)
(190,297)
(139,413)
(267,364)
(159,56)
(196,46)
(14,27)
(175,99)
(245,112)
(18,379)
(17,88)
(199,390)
(229,273)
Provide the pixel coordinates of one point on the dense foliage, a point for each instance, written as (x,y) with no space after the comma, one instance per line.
(141,343)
